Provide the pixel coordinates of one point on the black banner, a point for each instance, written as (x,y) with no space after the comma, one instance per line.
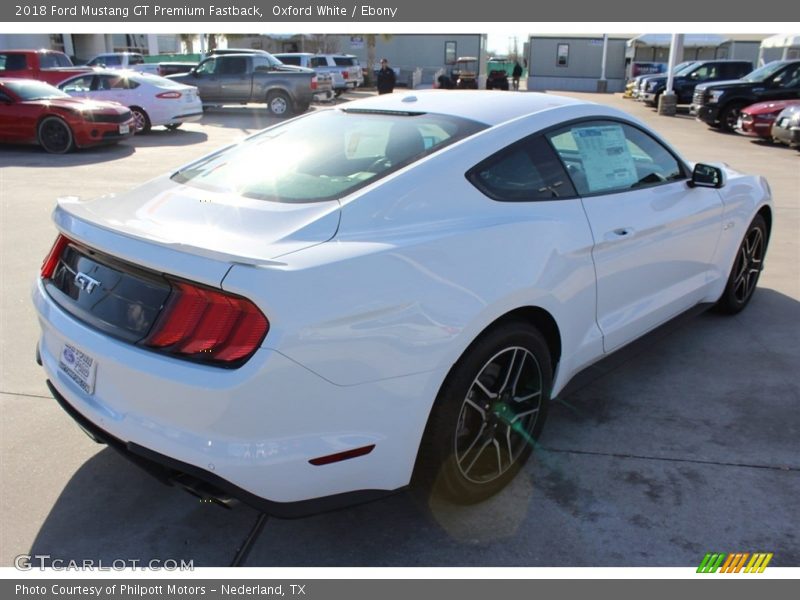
(396,11)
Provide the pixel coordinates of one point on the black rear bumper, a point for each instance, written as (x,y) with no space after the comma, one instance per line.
(207,485)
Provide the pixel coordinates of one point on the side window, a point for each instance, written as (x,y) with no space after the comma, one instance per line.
(260,64)
(79,85)
(207,67)
(704,73)
(608,156)
(523,172)
(109,82)
(317,61)
(735,70)
(790,78)
(232,65)
(12,62)
(136,59)
(289,60)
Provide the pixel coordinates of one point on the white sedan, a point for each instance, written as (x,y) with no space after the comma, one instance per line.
(385,293)
(153,100)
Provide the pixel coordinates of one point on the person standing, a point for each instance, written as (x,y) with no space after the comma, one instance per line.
(516,74)
(386,78)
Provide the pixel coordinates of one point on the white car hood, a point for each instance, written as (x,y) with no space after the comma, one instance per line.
(205,223)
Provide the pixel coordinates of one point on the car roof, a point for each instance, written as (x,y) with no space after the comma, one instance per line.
(490,107)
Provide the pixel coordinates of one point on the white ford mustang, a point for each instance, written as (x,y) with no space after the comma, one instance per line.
(384,293)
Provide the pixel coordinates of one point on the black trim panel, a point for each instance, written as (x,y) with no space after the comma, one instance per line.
(208,485)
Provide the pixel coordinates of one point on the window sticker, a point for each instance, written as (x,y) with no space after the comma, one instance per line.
(607,160)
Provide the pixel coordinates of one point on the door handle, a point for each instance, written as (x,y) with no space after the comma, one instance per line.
(620,233)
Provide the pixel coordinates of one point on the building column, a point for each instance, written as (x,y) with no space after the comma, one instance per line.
(69,47)
(152,44)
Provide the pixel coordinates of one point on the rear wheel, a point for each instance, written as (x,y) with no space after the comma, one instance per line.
(141,121)
(487,416)
(746,269)
(55,136)
(279,104)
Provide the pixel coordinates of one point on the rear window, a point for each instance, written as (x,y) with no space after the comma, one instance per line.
(53,60)
(345,61)
(325,155)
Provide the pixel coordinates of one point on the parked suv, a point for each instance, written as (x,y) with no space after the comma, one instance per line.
(123,60)
(319,64)
(685,80)
(343,68)
(719,104)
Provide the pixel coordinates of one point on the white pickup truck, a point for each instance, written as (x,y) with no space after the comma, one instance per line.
(343,68)
(123,60)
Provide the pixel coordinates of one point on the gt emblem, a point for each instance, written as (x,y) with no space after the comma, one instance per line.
(86,283)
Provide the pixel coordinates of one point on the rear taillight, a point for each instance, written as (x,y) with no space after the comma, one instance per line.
(314,82)
(51,260)
(169,95)
(346,74)
(208,324)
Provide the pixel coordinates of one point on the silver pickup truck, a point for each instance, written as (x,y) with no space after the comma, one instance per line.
(343,68)
(256,77)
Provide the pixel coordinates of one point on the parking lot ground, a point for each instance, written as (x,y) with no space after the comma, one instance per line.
(686,445)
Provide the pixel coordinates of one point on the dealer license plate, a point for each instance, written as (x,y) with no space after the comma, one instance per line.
(124,129)
(78,366)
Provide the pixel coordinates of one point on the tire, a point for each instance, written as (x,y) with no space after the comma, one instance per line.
(141,122)
(173,126)
(482,429)
(729,115)
(746,269)
(279,104)
(55,136)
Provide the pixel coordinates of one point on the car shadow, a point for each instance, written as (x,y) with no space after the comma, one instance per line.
(164,137)
(627,462)
(17,155)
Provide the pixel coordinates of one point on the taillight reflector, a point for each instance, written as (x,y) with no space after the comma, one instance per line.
(346,74)
(340,456)
(51,260)
(208,324)
(314,82)
(169,95)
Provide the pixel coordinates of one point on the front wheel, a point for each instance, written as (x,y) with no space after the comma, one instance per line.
(55,136)
(279,104)
(729,116)
(141,121)
(746,269)
(173,126)
(487,416)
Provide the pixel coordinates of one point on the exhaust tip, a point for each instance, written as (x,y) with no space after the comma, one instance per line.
(204,491)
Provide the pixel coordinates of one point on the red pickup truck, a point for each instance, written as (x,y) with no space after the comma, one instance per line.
(50,66)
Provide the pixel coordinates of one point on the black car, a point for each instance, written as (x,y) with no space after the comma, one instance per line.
(684,81)
(719,104)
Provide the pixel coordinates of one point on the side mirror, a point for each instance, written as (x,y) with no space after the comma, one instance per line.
(711,176)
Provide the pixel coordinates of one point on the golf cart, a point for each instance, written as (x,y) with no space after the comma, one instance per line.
(464,73)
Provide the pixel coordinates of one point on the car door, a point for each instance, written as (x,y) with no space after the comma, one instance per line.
(204,77)
(80,87)
(112,88)
(234,77)
(654,236)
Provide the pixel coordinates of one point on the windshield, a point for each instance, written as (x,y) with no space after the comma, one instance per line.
(325,155)
(34,90)
(764,72)
(684,68)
